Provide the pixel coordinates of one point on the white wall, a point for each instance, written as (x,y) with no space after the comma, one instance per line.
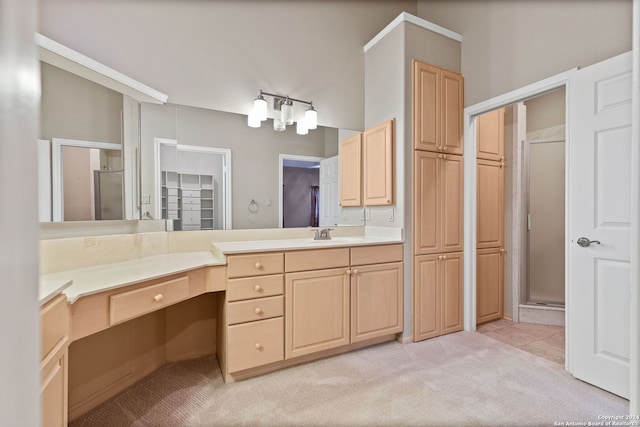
(219,54)
(509,44)
(19,105)
(75,108)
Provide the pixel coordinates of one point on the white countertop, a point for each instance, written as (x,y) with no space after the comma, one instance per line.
(248,246)
(86,281)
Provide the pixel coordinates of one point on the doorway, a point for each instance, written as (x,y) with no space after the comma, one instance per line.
(299,196)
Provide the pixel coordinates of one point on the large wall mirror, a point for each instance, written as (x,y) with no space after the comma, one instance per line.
(104,155)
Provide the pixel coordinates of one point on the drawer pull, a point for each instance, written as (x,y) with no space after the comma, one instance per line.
(348,272)
(257,288)
(258,265)
(258,311)
(158,298)
(257,346)
(355,271)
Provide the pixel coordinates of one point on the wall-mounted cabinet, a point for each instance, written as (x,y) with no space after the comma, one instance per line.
(367,167)
(378,164)
(351,171)
(438,101)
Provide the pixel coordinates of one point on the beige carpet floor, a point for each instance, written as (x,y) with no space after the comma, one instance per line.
(465,378)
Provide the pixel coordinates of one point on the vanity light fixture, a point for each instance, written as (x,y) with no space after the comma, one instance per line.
(283,105)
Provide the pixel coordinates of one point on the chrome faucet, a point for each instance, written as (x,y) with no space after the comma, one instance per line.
(323,234)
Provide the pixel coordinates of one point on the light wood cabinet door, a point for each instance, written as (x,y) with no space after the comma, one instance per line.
(437,289)
(376,301)
(316,311)
(427,203)
(438,203)
(54,387)
(490,202)
(426,106)
(490,135)
(451,170)
(426,297)
(489,285)
(351,171)
(451,135)
(451,276)
(377,152)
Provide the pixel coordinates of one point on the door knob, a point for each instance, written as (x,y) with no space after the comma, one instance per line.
(585,242)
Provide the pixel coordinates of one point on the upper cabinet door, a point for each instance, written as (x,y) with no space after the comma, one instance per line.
(452,140)
(426,106)
(452,169)
(438,101)
(427,203)
(490,132)
(351,171)
(378,164)
(490,199)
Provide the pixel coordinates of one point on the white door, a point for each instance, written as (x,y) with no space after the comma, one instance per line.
(329,197)
(599,206)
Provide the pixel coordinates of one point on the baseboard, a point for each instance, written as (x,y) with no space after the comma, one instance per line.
(544,315)
(404,340)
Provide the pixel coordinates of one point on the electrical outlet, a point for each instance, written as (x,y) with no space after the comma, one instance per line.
(146,199)
(390,215)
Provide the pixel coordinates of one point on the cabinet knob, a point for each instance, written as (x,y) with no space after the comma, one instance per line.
(502,158)
(258,310)
(158,298)
(257,288)
(501,251)
(257,346)
(501,165)
(348,272)
(258,265)
(439,156)
(444,156)
(444,257)
(355,271)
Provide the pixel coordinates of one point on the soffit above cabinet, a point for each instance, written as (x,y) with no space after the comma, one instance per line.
(74,62)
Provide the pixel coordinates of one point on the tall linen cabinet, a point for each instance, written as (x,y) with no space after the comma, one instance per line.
(437,174)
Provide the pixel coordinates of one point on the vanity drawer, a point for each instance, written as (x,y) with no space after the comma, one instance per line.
(53,324)
(316,259)
(255,344)
(254,264)
(255,287)
(191,193)
(376,254)
(128,305)
(255,309)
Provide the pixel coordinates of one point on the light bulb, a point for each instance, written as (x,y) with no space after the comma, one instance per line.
(311,117)
(260,107)
(286,112)
(278,125)
(252,119)
(301,127)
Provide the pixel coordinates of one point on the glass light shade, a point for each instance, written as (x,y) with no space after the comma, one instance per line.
(301,127)
(286,112)
(260,108)
(278,125)
(311,118)
(252,119)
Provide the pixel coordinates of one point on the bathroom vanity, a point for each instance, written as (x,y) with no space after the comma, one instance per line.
(259,305)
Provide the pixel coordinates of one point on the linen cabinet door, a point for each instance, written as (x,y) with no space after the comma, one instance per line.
(350,160)
(490,135)
(427,203)
(426,107)
(451,281)
(452,140)
(451,170)
(489,285)
(317,311)
(376,301)
(490,199)
(426,297)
